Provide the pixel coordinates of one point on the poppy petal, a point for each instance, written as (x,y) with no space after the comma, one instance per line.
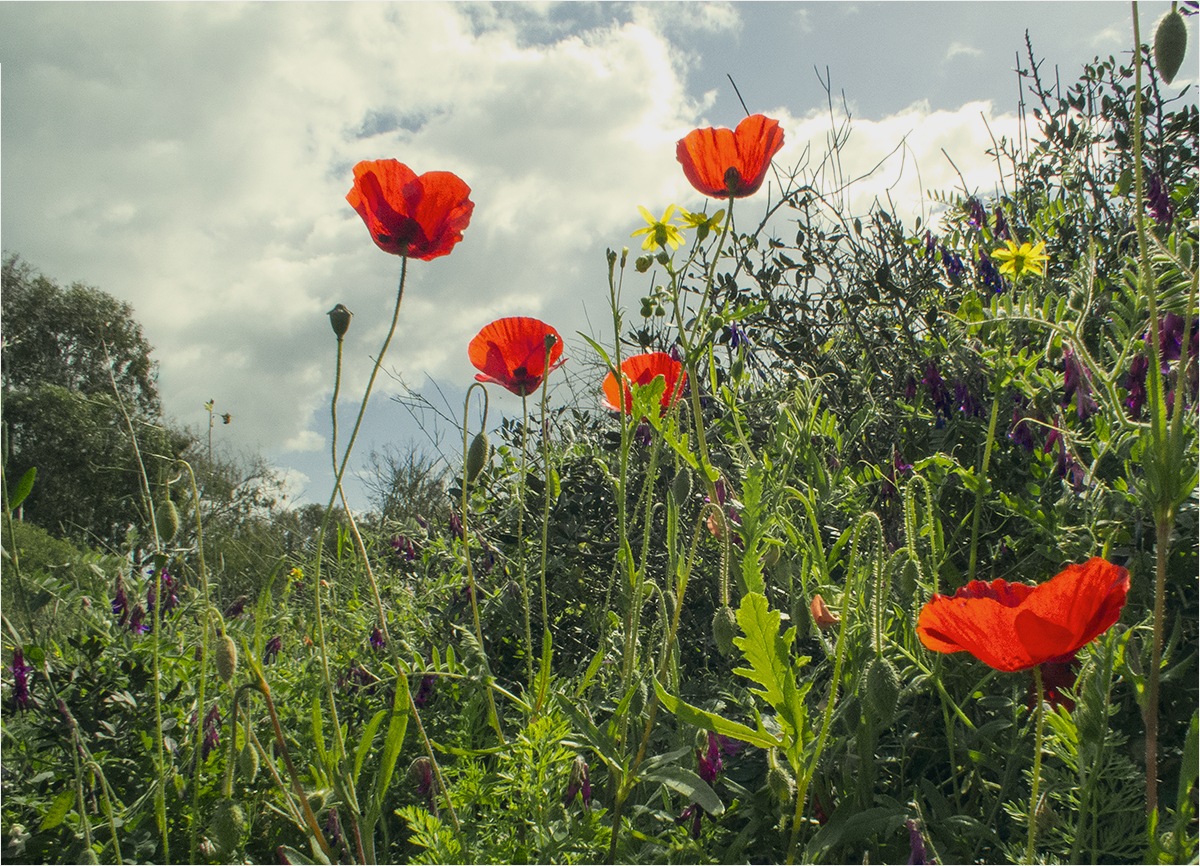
(410,215)
(512,352)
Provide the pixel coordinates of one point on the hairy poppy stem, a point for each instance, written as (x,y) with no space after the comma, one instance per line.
(522,572)
(1039,729)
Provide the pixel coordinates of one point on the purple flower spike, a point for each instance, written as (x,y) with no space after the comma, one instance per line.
(1001,225)
(976,215)
(916,843)
(272,649)
(1159,200)
(1135,384)
(424,691)
(710,764)
(1077,385)
(20,671)
(378,641)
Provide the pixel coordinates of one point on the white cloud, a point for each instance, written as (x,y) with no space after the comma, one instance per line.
(961,49)
(193,159)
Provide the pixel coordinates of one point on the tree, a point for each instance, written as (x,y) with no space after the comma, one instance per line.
(63,352)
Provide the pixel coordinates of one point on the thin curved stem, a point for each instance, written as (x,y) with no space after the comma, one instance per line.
(1039,727)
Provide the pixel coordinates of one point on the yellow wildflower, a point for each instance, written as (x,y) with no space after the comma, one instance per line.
(1015,261)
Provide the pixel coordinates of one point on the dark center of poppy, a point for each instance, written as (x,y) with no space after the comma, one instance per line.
(733,179)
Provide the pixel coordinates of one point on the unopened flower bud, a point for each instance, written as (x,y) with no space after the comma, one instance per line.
(1170,45)
(228,827)
(725,628)
(167,518)
(681,485)
(226,658)
(339,318)
(881,690)
(477,456)
(779,781)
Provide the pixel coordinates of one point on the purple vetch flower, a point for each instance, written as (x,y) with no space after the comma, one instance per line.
(676,353)
(737,336)
(456,527)
(1077,385)
(212,732)
(910,388)
(1135,385)
(168,587)
(20,671)
(953,264)
(937,388)
(424,691)
(377,639)
(1001,232)
(967,404)
(641,435)
(333,828)
(989,275)
(931,244)
(404,548)
(916,843)
(137,623)
(976,215)
(578,783)
(710,764)
(1021,431)
(420,772)
(237,608)
(897,468)
(1066,466)
(696,814)
(1159,200)
(120,604)
(272,649)
(731,746)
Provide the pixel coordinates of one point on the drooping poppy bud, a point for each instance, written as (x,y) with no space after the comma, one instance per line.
(1170,45)
(228,827)
(725,629)
(881,690)
(226,658)
(822,615)
(477,456)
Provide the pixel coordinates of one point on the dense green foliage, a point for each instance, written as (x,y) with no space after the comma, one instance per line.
(885,415)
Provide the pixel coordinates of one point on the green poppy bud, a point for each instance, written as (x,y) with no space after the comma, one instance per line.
(1170,45)
(725,629)
(681,485)
(779,781)
(248,762)
(477,456)
(881,690)
(166,517)
(226,658)
(228,827)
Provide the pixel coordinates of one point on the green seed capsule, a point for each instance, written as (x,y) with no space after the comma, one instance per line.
(248,762)
(681,485)
(477,456)
(226,657)
(779,781)
(1170,45)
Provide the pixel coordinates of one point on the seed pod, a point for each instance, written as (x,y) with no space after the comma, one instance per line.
(779,781)
(881,689)
(771,556)
(681,485)
(248,762)
(226,657)
(725,628)
(477,456)
(339,318)
(1170,45)
(228,827)
(166,517)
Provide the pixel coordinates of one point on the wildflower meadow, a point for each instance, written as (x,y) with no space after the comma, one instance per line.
(857,540)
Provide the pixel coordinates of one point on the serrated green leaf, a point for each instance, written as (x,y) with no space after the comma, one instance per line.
(768,654)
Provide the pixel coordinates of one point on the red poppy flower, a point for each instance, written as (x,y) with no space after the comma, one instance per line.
(822,615)
(642,370)
(1014,626)
(513,353)
(420,217)
(725,162)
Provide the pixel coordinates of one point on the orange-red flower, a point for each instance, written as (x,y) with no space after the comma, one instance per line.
(420,217)
(726,162)
(642,370)
(1014,626)
(514,353)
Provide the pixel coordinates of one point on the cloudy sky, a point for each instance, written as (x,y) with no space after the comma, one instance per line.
(193,160)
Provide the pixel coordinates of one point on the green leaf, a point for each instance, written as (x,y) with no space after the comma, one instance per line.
(603,745)
(695,789)
(1189,769)
(397,727)
(58,810)
(768,654)
(23,487)
(707,721)
(364,744)
(647,400)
